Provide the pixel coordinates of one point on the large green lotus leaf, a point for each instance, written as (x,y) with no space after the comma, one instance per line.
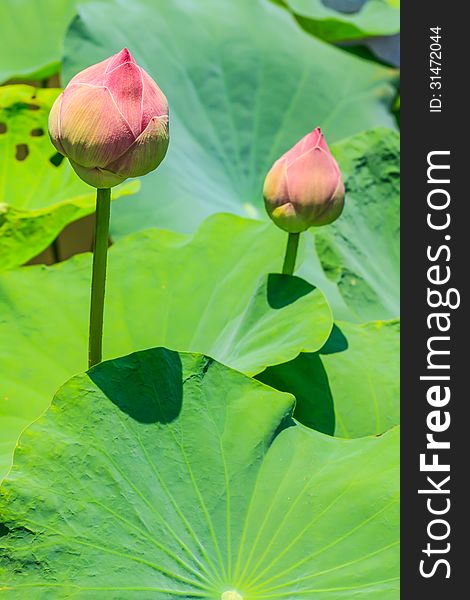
(350,387)
(211,293)
(166,475)
(39,192)
(358,18)
(360,252)
(31,37)
(244,83)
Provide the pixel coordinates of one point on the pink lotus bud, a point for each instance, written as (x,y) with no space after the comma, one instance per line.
(304,187)
(111,122)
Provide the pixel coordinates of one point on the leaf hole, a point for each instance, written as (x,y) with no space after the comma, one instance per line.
(37,132)
(56,159)
(31,106)
(3,128)
(22,151)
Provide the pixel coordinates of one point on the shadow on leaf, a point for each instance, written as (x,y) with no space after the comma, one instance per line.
(286,289)
(130,385)
(337,342)
(305,377)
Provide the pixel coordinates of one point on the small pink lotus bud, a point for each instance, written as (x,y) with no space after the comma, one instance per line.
(304,187)
(111,122)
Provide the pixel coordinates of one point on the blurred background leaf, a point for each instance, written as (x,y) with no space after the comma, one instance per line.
(343,20)
(368,28)
(31,37)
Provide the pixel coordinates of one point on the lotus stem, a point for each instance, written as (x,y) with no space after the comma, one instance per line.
(98,281)
(291,254)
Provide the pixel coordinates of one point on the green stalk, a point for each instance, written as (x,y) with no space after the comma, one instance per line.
(98,281)
(291,254)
